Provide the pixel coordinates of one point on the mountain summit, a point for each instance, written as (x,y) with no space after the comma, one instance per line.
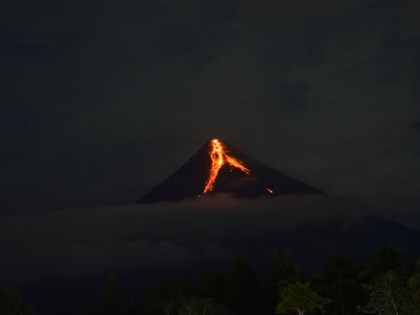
(220,168)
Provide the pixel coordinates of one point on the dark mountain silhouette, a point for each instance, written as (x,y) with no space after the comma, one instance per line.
(189,181)
(313,239)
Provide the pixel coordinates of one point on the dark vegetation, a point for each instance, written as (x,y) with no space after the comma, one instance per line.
(386,284)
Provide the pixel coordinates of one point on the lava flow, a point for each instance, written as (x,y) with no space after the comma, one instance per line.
(219,157)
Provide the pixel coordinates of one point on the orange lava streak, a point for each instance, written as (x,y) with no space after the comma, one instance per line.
(219,158)
(237,164)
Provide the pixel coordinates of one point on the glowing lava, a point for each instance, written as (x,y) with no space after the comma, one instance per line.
(219,157)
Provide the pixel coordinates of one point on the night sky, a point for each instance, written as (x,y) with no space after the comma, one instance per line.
(102,101)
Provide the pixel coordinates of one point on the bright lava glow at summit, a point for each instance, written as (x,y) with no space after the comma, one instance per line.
(219,157)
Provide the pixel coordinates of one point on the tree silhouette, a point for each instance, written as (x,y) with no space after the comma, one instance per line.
(338,279)
(285,270)
(388,297)
(236,288)
(414,283)
(201,306)
(164,297)
(113,301)
(387,257)
(11,303)
(301,298)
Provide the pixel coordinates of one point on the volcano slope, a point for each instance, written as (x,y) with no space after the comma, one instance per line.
(218,167)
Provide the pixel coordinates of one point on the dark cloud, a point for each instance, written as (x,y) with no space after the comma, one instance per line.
(124,238)
(164,237)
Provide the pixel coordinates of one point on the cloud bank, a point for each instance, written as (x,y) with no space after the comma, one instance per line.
(165,236)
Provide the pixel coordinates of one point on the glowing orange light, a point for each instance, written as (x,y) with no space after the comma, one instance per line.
(270,190)
(219,157)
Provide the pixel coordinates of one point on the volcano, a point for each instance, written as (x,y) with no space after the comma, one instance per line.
(218,167)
